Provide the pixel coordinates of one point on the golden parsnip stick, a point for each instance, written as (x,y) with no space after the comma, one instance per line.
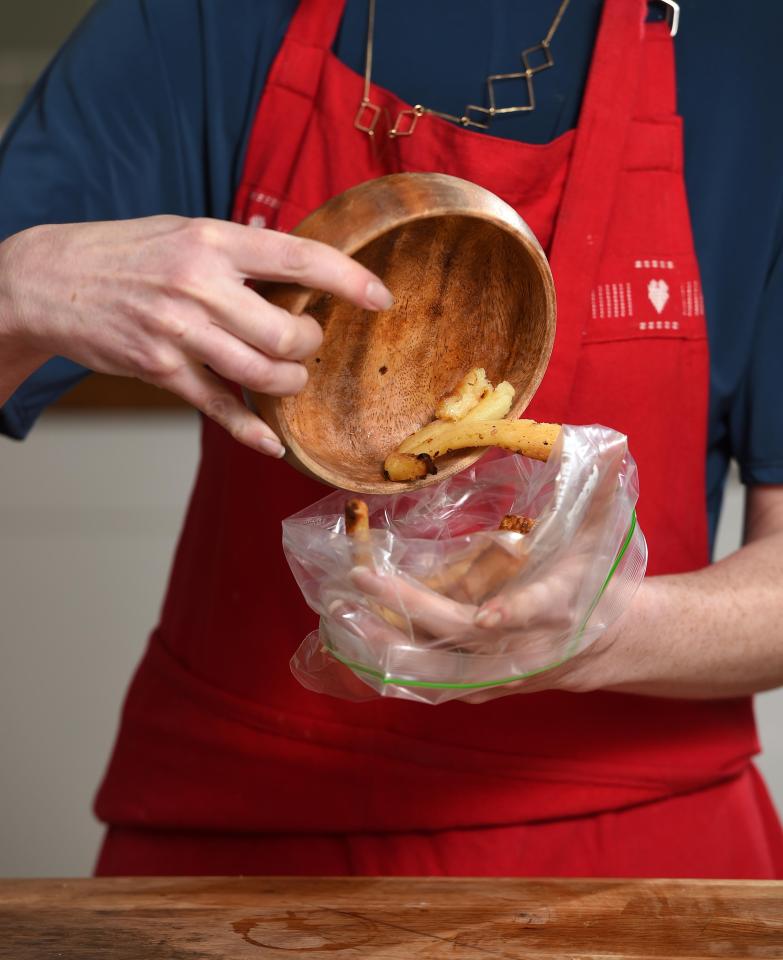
(534,440)
(491,570)
(466,395)
(357,517)
(357,526)
(445,579)
(474,578)
(494,405)
(408,466)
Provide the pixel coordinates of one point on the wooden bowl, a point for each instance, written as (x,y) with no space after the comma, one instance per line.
(472,288)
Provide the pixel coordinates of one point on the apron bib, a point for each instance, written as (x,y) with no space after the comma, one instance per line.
(216,734)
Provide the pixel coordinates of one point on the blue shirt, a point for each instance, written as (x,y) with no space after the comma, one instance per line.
(148,106)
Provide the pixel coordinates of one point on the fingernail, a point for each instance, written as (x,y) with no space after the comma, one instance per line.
(362,575)
(272,447)
(488,619)
(378,296)
(334,606)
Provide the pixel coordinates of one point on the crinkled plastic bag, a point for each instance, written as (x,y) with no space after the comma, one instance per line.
(566,580)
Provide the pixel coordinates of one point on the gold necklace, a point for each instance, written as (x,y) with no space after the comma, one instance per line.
(369,113)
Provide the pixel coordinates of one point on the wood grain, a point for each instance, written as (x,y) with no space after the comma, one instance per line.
(388,919)
(473,289)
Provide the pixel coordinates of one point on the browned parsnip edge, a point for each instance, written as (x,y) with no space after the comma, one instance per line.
(472,416)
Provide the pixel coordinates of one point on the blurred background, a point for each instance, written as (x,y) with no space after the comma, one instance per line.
(30,32)
(90,508)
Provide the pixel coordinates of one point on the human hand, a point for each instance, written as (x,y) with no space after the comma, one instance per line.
(396,621)
(164,299)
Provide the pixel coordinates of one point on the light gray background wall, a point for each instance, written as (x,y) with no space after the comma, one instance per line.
(90,507)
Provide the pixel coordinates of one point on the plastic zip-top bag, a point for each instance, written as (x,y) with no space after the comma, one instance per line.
(411,608)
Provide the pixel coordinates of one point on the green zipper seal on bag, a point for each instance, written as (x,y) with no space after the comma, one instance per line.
(433,685)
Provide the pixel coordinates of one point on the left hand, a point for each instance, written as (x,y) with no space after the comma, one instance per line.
(713,633)
(540,613)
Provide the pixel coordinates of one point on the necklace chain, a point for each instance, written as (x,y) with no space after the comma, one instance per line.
(369,113)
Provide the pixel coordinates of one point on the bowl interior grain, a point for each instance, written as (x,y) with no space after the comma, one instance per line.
(468,293)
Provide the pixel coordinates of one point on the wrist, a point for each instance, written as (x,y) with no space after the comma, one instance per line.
(622,658)
(20,355)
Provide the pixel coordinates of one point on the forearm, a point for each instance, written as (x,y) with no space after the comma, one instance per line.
(716,632)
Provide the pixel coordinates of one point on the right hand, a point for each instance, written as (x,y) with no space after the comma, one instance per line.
(164,299)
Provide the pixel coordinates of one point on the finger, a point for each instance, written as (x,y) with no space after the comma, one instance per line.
(210,395)
(377,635)
(271,255)
(237,361)
(364,622)
(263,325)
(518,608)
(544,601)
(549,600)
(431,611)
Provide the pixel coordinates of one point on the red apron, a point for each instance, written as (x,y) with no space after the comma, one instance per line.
(225,764)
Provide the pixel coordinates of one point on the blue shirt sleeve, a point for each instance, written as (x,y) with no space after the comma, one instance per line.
(40,389)
(756,417)
(145,110)
(733,170)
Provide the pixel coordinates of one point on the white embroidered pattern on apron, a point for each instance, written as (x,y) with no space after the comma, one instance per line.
(265,199)
(611,300)
(692,300)
(258,201)
(654,264)
(655,296)
(658,294)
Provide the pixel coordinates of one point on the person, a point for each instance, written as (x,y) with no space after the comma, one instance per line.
(155,124)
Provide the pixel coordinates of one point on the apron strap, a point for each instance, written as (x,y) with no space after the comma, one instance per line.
(315,22)
(588,197)
(657,93)
(286,104)
(308,40)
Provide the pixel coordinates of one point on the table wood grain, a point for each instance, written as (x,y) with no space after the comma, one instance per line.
(388,919)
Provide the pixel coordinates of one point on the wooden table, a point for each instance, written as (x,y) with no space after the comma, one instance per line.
(387,919)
